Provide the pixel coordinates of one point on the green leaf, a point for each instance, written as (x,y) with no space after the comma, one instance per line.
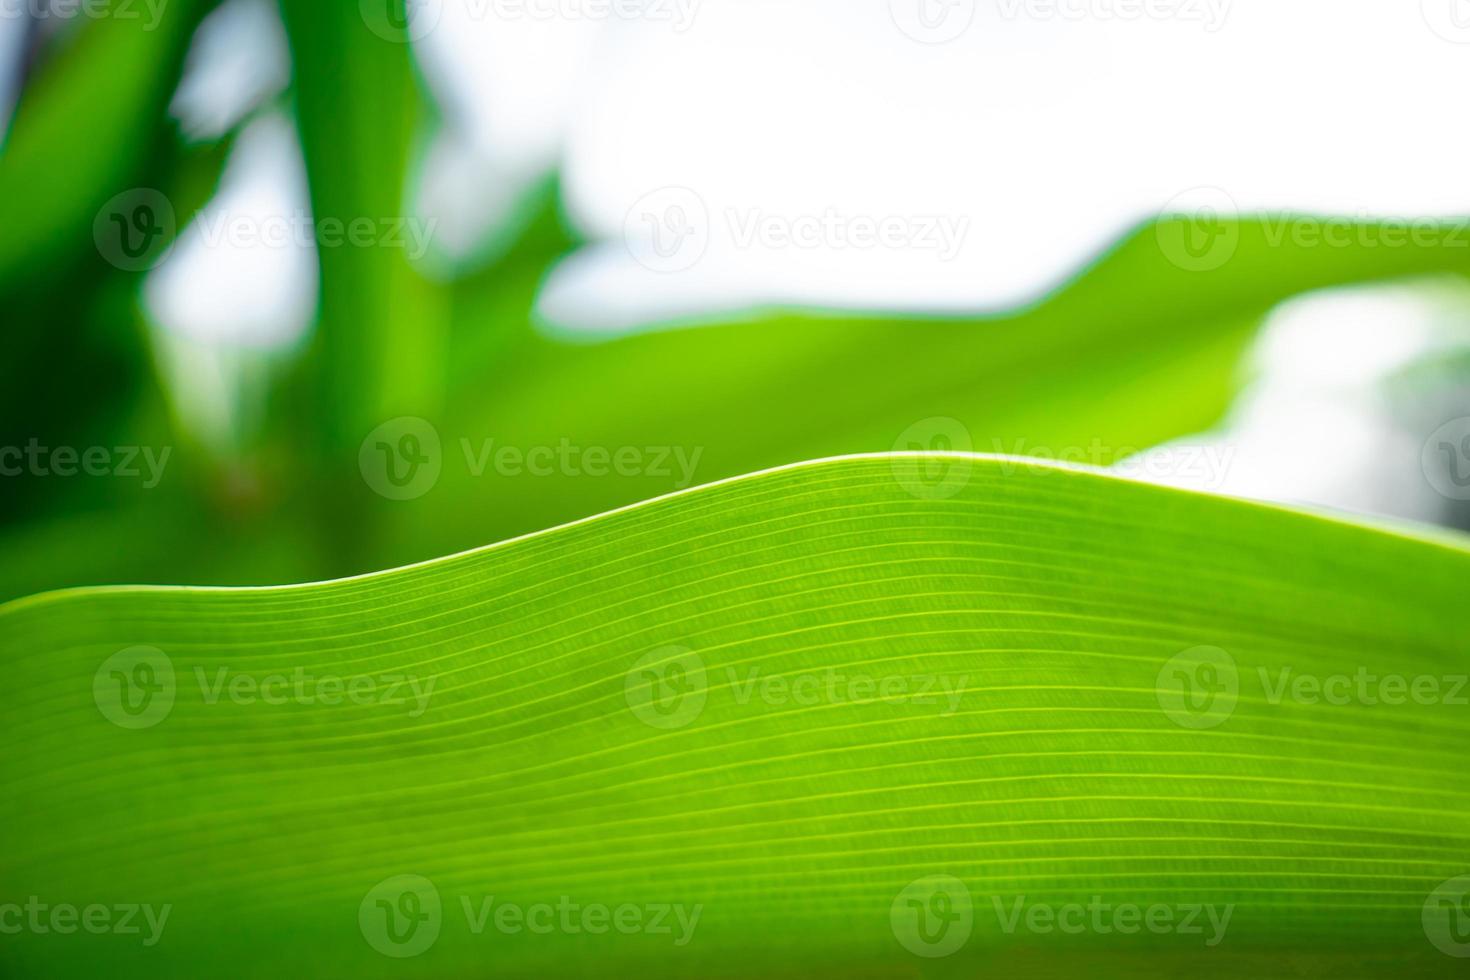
(1071,689)
(379,343)
(92,125)
(1133,353)
(85,129)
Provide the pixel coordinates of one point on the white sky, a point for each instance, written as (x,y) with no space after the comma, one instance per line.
(1008,156)
(1047,129)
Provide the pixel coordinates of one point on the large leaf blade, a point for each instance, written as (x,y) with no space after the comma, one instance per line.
(1054,601)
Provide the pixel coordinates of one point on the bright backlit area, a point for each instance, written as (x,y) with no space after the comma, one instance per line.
(719,155)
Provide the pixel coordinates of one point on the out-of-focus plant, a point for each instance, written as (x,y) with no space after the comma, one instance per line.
(1135,352)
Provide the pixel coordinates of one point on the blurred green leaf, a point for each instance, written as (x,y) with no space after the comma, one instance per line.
(379,345)
(1134,353)
(87,125)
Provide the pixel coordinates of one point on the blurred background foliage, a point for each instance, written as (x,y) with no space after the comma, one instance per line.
(1133,353)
